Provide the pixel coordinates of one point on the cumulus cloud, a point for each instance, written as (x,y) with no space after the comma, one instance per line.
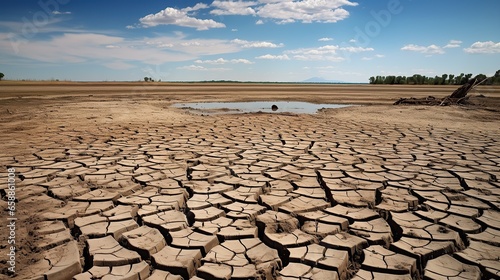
(233,7)
(224,61)
(432,49)
(172,16)
(355,49)
(279,11)
(255,44)
(453,44)
(196,7)
(273,57)
(325,39)
(483,47)
(306,11)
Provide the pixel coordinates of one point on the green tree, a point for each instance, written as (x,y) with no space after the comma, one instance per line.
(389,80)
(1,76)
(451,79)
(372,80)
(480,78)
(465,79)
(443,79)
(419,79)
(496,78)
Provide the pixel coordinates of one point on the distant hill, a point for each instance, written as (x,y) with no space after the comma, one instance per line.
(323,80)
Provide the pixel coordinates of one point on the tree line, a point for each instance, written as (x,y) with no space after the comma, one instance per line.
(444,79)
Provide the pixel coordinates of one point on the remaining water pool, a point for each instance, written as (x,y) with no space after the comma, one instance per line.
(257,106)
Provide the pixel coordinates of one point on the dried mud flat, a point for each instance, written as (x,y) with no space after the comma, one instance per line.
(129,188)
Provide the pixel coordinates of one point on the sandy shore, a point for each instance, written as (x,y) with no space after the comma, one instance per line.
(112,180)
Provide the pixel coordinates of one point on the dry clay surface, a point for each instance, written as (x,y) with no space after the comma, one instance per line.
(255,196)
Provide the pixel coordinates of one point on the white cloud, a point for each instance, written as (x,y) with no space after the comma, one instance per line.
(352,41)
(172,16)
(224,61)
(306,10)
(61,13)
(285,21)
(191,43)
(255,44)
(356,49)
(273,57)
(234,30)
(196,7)
(432,49)
(280,11)
(201,68)
(241,60)
(165,45)
(113,51)
(379,55)
(328,52)
(453,44)
(325,39)
(483,47)
(233,7)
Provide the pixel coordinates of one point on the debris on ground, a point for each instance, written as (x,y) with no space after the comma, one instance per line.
(458,97)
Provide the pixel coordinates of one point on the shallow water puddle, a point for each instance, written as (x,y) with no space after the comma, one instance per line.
(257,106)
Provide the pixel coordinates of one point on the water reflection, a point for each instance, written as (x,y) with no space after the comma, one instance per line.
(257,106)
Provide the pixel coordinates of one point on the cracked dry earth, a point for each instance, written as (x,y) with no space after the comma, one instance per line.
(260,196)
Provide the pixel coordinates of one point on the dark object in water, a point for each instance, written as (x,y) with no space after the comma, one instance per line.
(274,108)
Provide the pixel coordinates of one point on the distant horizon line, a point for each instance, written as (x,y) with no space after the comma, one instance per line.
(161,81)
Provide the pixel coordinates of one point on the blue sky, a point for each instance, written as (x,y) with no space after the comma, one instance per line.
(257,40)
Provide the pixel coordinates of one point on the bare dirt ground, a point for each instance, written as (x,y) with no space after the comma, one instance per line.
(113,181)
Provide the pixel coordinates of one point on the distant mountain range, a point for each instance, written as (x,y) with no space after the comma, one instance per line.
(323,80)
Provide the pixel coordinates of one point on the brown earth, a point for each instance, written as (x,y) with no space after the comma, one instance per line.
(438,164)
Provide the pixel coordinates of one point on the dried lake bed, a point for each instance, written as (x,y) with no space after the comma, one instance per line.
(110,182)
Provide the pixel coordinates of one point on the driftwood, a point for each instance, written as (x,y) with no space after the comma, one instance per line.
(458,97)
(462,91)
